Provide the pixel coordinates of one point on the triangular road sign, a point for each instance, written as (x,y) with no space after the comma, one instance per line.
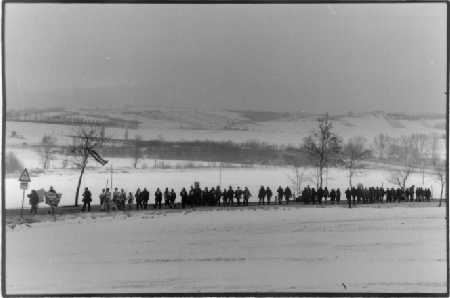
(25,177)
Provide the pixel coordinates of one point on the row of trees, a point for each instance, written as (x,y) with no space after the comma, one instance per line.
(325,149)
(416,147)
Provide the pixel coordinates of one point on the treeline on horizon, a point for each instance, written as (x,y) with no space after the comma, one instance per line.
(67,118)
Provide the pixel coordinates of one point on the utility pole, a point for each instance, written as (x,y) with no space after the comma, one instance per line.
(111,177)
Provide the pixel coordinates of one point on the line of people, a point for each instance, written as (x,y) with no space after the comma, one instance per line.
(120,200)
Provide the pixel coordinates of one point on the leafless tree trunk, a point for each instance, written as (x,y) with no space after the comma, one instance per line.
(85,138)
(399,176)
(137,150)
(380,145)
(405,143)
(354,154)
(45,151)
(421,144)
(440,176)
(323,146)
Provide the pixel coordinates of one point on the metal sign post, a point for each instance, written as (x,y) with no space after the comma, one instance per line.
(24,179)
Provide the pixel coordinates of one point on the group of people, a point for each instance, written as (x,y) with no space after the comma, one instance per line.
(360,195)
(122,200)
(195,197)
(34,200)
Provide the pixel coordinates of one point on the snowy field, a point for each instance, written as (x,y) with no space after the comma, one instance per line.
(374,249)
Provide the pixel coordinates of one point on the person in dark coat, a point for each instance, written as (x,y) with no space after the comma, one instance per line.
(183,195)
(305,196)
(172,197)
(139,197)
(359,195)
(332,196)
(313,196)
(166,198)
(145,197)
(407,194)
(382,193)
(237,195)
(269,195)
(230,195)
(247,195)
(158,198)
(348,196)
(192,196)
(205,196)
(87,199)
(320,195)
(428,194)
(287,194)
(212,197)
(280,192)
(326,194)
(261,195)
(354,194)
(218,195)
(34,201)
(338,195)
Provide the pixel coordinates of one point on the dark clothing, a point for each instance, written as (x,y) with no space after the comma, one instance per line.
(320,195)
(247,194)
(158,199)
(34,201)
(287,194)
(338,196)
(280,192)
(313,196)
(139,197)
(230,196)
(217,196)
(87,199)
(183,195)
(332,196)
(269,195)
(261,194)
(237,195)
(145,198)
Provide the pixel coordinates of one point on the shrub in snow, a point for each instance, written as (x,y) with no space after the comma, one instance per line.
(12,163)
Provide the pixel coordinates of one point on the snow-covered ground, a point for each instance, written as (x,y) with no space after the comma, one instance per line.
(285,249)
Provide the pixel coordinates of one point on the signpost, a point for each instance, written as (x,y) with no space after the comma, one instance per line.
(24,179)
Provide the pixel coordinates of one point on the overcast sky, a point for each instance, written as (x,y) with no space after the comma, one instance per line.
(280,57)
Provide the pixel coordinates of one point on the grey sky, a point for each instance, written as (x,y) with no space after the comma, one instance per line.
(290,57)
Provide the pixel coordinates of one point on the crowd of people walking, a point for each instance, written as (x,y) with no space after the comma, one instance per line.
(361,195)
(215,196)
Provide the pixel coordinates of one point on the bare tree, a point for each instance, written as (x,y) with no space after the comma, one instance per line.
(399,175)
(85,139)
(380,145)
(299,171)
(421,144)
(440,176)
(435,146)
(354,154)
(405,144)
(323,146)
(46,150)
(137,149)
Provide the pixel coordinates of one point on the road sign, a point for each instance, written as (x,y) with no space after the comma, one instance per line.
(25,177)
(23,185)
